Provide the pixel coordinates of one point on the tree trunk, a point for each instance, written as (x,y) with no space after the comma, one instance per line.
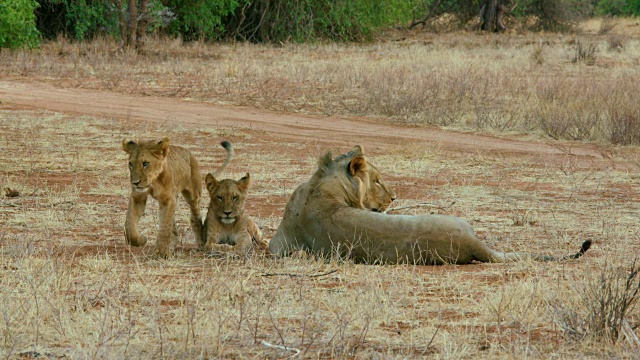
(122,22)
(133,24)
(488,15)
(492,14)
(142,22)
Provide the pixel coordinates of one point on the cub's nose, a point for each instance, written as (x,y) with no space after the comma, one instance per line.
(136,182)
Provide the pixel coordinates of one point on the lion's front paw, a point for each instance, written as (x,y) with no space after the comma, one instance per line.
(140,240)
(202,247)
(163,252)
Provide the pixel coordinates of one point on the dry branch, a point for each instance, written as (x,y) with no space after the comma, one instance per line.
(632,338)
(435,206)
(296,351)
(300,275)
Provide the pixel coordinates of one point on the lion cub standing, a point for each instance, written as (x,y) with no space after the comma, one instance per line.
(162,171)
(226,228)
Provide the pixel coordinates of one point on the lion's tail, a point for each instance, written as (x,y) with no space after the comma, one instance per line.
(227,146)
(516,256)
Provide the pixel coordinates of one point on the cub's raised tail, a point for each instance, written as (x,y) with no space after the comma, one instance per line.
(227,146)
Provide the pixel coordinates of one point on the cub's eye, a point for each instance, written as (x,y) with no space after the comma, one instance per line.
(130,165)
(145,164)
(378,182)
(235,198)
(219,198)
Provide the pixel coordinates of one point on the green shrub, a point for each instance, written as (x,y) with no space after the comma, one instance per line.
(618,7)
(305,20)
(86,18)
(18,24)
(200,19)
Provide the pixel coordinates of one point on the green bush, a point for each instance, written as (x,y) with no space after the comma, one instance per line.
(308,20)
(618,7)
(86,18)
(18,24)
(200,19)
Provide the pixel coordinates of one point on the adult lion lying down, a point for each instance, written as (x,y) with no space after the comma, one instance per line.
(331,215)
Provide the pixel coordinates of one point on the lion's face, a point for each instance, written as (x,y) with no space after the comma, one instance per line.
(227,197)
(379,194)
(375,193)
(146,161)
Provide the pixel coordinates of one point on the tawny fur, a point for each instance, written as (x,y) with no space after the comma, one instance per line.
(227,229)
(161,170)
(328,216)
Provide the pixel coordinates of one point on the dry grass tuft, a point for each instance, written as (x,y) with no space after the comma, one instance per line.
(616,43)
(584,52)
(608,299)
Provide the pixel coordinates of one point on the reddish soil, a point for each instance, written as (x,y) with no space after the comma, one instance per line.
(267,125)
(271,131)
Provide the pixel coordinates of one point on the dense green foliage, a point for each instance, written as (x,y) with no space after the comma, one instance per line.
(195,19)
(17,24)
(254,20)
(86,18)
(22,21)
(618,7)
(283,20)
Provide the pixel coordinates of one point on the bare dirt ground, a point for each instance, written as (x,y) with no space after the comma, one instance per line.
(272,126)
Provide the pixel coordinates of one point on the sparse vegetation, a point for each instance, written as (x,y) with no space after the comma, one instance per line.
(71,288)
(406,81)
(608,297)
(584,52)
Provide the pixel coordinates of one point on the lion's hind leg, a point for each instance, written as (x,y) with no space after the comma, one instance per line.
(193,200)
(256,236)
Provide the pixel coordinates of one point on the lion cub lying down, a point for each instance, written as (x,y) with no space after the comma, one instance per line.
(227,229)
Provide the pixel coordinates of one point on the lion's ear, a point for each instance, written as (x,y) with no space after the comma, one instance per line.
(356,151)
(163,147)
(211,182)
(243,184)
(326,160)
(357,164)
(128,145)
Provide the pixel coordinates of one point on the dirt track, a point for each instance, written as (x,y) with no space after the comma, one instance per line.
(296,127)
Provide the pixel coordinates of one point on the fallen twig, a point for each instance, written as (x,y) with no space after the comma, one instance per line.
(631,336)
(300,275)
(434,336)
(280,347)
(435,206)
(63,202)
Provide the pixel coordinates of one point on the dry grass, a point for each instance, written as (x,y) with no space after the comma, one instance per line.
(464,80)
(70,287)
